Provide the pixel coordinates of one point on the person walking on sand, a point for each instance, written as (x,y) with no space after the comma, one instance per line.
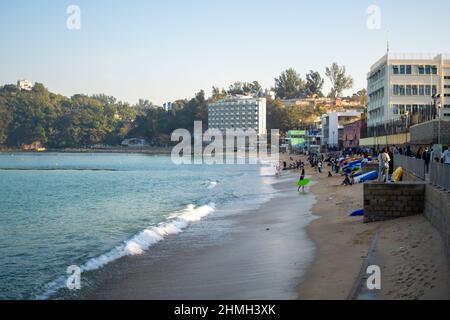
(302,177)
(320,166)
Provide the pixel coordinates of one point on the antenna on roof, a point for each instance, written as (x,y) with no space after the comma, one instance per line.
(387,47)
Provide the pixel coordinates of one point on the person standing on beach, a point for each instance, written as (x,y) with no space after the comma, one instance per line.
(302,177)
(391,162)
(383,161)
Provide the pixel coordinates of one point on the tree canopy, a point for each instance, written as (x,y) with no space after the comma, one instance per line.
(289,85)
(339,80)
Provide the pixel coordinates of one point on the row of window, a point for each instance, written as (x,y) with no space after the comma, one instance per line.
(409,108)
(377,75)
(231,122)
(413,90)
(378,94)
(233,126)
(414,69)
(232,113)
(232,118)
(238,107)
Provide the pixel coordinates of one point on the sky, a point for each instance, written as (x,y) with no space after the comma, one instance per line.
(163,50)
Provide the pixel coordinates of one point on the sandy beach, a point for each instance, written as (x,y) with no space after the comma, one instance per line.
(409,251)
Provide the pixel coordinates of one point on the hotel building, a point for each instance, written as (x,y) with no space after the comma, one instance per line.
(239,112)
(400,85)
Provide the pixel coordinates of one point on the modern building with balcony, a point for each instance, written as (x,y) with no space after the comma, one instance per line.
(408,86)
(238,112)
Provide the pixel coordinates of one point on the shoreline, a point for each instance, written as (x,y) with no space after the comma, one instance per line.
(262,255)
(152,151)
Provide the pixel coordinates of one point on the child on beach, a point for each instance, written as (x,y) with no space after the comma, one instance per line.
(302,177)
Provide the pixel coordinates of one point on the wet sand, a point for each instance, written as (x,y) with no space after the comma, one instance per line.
(263,257)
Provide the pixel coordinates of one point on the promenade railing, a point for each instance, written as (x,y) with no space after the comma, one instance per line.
(413,165)
(440,175)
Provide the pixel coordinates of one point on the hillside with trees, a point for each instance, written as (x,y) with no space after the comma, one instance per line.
(81,121)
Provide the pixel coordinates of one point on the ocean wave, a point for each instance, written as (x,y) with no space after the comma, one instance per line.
(140,243)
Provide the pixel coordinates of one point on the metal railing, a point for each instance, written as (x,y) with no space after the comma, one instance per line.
(440,175)
(402,124)
(413,165)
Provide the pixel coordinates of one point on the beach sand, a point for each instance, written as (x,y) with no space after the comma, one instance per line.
(262,256)
(409,251)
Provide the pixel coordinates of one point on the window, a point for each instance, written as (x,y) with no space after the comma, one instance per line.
(421,90)
(421,70)
(447,86)
(395,109)
(428,69)
(447,77)
(396,90)
(395,69)
(434,70)
(434,90)
(428,90)
(408,90)
(402,90)
(402,69)
(414,90)
(408,108)
(408,69)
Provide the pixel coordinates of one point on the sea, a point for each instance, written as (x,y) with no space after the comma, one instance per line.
(90,209)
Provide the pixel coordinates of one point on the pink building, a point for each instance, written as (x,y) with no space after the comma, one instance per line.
(352,134)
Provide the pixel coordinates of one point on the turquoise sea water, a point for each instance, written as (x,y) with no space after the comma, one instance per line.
(58,210)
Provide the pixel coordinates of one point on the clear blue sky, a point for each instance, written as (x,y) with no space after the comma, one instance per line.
(162,50)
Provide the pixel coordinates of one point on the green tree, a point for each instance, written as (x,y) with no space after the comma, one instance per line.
(289,85)
(339,80)
(314,84)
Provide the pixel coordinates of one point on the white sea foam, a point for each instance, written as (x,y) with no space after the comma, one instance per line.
(141,242)
(212,184)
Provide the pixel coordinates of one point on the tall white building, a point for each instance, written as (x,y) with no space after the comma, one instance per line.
(333,126)
(404,85)
(238,112)
(25,85)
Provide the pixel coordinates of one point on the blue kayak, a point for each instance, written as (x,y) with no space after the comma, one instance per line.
(358,213)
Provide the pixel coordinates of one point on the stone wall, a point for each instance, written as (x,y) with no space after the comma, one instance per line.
(427,132)
(437,211)
(385,201)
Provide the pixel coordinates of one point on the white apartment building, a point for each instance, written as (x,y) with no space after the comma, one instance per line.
(25,85)
(333,126)
(404,85)
(238,112)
